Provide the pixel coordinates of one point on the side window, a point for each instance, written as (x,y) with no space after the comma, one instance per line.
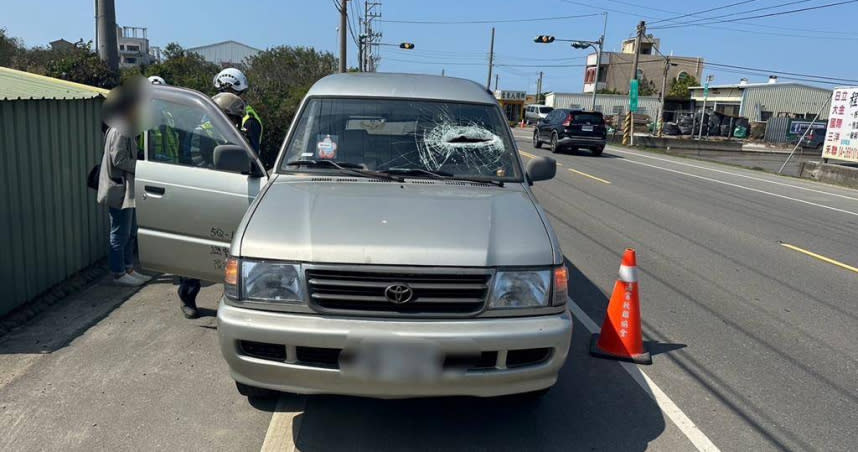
(182,135)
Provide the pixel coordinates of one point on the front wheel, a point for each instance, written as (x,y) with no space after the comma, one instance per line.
(536,143)
(554,145)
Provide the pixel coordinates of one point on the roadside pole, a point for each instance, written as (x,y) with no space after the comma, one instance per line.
(343,31)
(539,89)
(496,81)
(703,111)
(491,59)
(663,88)
(809,126)
(638,37)
(599,59)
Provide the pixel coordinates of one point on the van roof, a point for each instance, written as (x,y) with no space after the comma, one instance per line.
(406,86)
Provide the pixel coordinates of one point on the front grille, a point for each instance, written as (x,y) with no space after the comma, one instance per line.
(362,292)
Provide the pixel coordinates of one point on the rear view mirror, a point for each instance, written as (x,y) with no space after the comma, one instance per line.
(232,158)
(541,168)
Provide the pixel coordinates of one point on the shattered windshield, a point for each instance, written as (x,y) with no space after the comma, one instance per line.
(456,139)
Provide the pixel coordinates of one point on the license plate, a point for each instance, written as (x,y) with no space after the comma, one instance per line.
(392,360)
(586,128)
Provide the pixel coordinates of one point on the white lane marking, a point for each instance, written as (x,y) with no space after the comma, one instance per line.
(278,438)
(733,174)
(741,186)
(670,409)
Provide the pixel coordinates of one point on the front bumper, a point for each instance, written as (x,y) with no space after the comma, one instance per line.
(237,326)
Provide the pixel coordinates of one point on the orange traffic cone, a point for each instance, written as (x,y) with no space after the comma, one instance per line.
(521,124)
(621,332)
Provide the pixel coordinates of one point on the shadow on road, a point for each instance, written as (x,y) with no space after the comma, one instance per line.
(595,405)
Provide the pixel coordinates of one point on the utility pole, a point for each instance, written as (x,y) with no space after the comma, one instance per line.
(442,73)
(638,37)
(539,88)
(496,81)
(370,37)
(343,32)
(660,125)
(599,59)
(106,26)
(491,58)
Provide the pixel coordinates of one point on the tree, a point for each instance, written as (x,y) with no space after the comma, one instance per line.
(279,78)
(186,69)
(9,48)
(77,64)
(679,87)
(646,87)
(607,91)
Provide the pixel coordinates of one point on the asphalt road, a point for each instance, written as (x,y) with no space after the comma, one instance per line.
(754,342)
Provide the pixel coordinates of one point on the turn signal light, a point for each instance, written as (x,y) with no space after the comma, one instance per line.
(231,272)
(561,285)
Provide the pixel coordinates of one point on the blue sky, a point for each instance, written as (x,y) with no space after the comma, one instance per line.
(819,42)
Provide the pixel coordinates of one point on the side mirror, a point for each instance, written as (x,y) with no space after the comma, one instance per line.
(232,158)
(541,168)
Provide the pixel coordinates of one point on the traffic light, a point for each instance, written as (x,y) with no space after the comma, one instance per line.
(580,45)
(544,39)
(406,45)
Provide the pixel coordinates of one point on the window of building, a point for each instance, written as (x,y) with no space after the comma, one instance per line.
(682,76)
(121,46)
(590,75)
(765,115)
(131,60)
(133,48)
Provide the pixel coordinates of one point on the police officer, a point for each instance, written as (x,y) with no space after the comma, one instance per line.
(236,110)
(232,80)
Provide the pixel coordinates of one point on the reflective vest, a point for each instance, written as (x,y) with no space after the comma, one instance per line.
(163,141)
(249,112)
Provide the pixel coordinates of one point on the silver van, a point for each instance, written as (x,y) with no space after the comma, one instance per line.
(533,113)
(395,249)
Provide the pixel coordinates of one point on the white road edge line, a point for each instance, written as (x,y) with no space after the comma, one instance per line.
(679,418)
(741,186)
(278,437)
(639,154)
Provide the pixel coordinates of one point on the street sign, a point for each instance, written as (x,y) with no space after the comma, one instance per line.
(706,90)
(633,96)
(841,137)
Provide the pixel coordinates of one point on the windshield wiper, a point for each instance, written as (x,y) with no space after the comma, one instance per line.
(347,167)
(440,175)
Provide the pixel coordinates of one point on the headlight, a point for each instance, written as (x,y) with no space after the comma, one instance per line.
(271,281)
(521,289)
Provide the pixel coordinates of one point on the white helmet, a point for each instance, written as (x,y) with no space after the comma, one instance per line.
(231,78)
(155,80)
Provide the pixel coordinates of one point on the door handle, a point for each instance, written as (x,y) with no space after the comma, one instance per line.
(152,190)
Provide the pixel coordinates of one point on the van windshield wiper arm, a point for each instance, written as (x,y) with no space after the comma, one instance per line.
(440,175)
(347,167)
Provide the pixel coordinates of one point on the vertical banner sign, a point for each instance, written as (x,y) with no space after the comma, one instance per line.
(705,90)
(633,96)
(841,137)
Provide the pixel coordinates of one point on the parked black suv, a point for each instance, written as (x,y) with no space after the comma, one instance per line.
(564,128)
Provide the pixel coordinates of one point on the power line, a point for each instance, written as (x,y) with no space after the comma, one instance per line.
(462,22)
(764,8)
(772,71)
(780,13)
(704,11)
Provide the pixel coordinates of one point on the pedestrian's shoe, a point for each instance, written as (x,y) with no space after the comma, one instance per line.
(127,281)
(188,295)
(140,276)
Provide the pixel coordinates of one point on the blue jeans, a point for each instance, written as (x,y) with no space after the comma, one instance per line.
(123,236)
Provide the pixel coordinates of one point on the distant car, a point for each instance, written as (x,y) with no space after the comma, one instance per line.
(569,129)
(814,139)
(533,113)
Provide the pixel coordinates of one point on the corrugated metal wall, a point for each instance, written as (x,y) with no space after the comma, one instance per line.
(785,99)
(776,130)
(49,221)
(608,104)
(226,52)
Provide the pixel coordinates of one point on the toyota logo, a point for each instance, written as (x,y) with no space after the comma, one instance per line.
(398,293)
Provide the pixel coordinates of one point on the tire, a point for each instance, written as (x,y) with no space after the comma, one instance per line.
(597,151)
(254,392)
(554,146)
(536,143)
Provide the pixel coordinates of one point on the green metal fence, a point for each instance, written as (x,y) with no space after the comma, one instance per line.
(49,221)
